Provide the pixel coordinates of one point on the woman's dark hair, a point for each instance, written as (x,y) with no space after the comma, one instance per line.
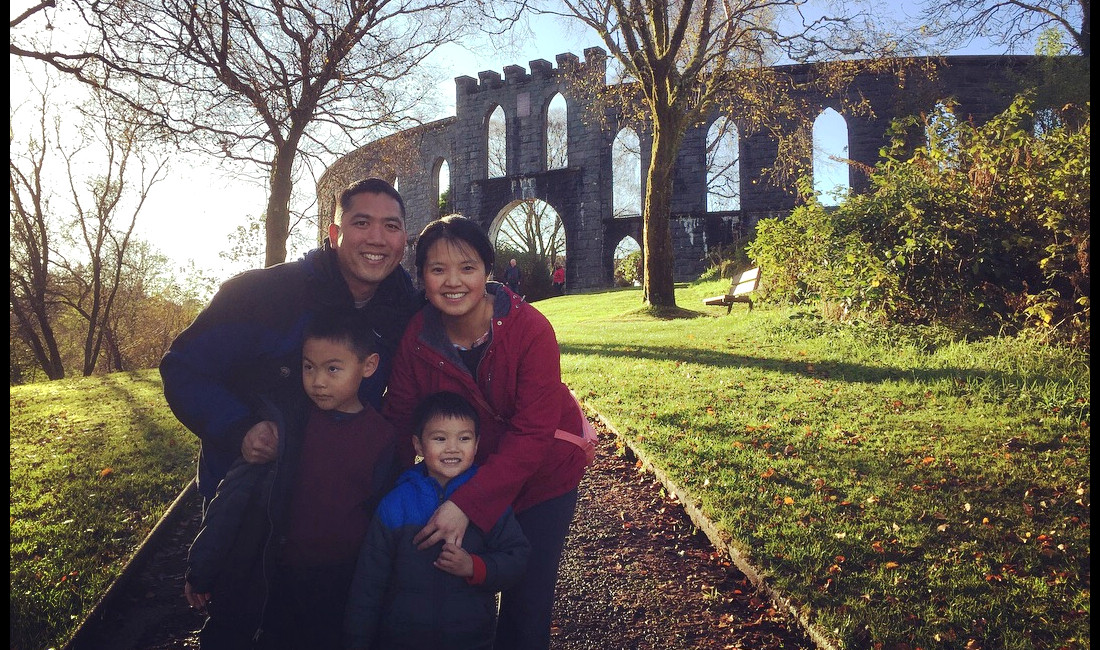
(445,404)
(370,186)
(454,229)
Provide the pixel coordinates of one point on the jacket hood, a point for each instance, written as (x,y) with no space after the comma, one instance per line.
(418,479)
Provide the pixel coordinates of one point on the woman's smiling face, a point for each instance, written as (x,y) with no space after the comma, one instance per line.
(454,278)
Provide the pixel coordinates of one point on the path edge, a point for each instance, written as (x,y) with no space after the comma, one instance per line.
(133,567)
(720,541)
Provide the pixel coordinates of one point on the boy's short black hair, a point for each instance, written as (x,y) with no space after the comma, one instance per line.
(445,404)
(345,326)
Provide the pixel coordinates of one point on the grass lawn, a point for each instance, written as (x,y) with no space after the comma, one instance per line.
(902,487)
(95,462)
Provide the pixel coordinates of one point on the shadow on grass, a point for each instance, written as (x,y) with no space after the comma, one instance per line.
(849,372)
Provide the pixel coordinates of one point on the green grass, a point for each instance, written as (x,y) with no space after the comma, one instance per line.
(903,487)
(94,465)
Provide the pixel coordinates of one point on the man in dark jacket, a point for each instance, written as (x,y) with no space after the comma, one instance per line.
(243,351)
(513,276)
(245,345)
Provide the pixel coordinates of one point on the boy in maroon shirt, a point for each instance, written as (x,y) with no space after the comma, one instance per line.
(272,564)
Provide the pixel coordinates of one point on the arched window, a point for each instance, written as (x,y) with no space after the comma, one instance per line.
(497,138)
(1046,120)
(830,169)
(628,263)
(626,174)
(557,142)
(531,232)
(443,177)
(723,167)
(942,135)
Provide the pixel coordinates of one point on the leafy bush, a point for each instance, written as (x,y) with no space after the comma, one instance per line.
(629,269)
(986,224)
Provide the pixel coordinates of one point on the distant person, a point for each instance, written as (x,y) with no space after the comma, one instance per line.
(558,280)
(273,560)
(513,276)
(479,339)
(442,597)
(247,342)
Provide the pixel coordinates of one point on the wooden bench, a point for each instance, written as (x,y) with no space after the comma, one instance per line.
(740,291)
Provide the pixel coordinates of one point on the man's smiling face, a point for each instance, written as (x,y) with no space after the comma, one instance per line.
(369,238)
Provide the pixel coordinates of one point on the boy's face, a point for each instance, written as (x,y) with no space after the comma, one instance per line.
(331,373)
(448,445)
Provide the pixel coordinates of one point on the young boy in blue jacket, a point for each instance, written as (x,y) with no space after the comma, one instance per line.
(444,597)
(278,546)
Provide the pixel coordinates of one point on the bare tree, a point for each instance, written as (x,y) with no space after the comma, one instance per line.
(533,227)
(533,230)
(1010,23)
(31,294)
(150,310)
(105,210)
(79,265)
(684,59)
(264,84)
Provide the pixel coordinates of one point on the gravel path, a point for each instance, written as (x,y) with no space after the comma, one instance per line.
(636,575)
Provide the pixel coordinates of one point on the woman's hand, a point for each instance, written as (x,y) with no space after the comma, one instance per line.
(448,525)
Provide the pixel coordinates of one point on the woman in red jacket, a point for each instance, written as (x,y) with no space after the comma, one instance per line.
(477,338)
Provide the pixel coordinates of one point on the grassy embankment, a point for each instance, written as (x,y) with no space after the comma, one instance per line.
(900,486)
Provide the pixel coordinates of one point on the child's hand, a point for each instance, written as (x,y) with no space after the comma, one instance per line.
(454,560)
(196,600)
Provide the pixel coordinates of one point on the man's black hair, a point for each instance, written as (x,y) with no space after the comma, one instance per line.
(445,404)
(345,326)
(371,186)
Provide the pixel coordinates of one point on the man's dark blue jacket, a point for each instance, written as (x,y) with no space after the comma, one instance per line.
(245,347)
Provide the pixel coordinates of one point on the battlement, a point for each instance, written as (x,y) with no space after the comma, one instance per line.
(595,60)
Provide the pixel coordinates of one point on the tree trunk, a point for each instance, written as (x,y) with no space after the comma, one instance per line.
(44,345)
(658,287)
(277,222)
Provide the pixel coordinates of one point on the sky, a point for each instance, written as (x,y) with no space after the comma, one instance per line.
(193,214)
(218,204)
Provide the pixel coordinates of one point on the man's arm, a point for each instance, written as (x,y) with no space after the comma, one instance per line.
(241,341)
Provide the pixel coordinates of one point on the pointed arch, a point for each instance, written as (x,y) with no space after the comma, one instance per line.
(941,134)
(496,138)
(626,174)
(830,168)
(627,260)
(557,133)
(723,160)
(442,180)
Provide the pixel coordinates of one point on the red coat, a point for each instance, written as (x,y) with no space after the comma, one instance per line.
(519,376)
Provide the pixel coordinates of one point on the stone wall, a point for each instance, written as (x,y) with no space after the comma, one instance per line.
(978,87)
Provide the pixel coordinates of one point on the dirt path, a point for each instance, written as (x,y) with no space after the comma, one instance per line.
(636,575)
